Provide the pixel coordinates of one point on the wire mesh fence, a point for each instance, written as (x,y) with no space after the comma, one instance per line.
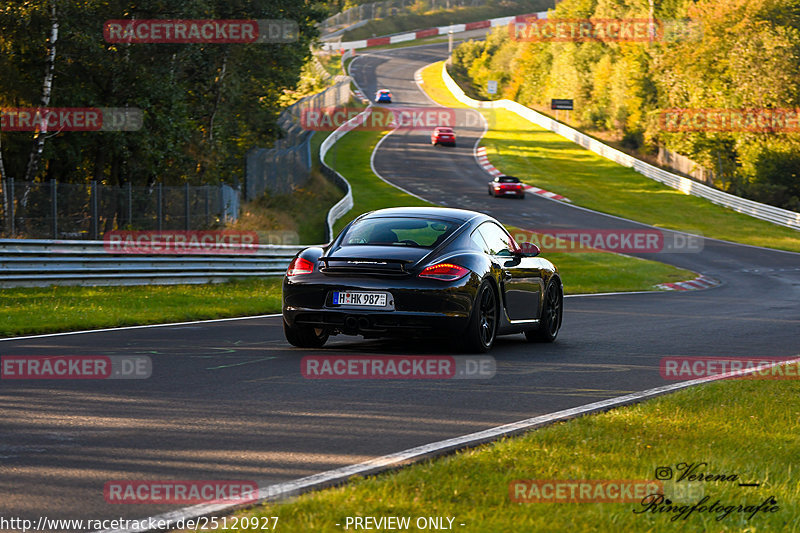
(287,165)
(53,210)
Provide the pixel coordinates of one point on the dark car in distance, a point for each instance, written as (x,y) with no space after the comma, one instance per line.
(506,186)
(422,272)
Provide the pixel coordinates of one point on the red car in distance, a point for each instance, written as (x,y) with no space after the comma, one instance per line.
(443,135)
(506,186)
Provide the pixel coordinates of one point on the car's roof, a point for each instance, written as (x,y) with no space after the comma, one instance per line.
(462,215)
(384,90)
(506,178)
(444,128)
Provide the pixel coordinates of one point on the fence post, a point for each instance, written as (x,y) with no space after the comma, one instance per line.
(11,207)
(222,216)
(130,205)
(186,205)
(160,206)
(54,206)
(95,230)
(208,205)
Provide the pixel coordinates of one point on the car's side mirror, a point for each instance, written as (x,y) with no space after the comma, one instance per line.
(528,249)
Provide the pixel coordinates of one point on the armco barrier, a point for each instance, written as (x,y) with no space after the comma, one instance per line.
(37,263)
(776,215)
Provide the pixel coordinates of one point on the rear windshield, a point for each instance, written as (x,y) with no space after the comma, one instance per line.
(444,130)
(399,231)
(508,179)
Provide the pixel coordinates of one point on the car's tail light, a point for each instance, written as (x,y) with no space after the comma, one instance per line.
(444,272)
(299,266)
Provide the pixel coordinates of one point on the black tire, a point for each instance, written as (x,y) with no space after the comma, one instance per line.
(305,336)
(552,314)
(482,327)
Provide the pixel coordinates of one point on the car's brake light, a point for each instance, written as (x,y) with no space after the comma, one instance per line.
(444,272)
(299,266)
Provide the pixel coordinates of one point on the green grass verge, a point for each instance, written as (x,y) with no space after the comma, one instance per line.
(350,156)
(588,273)
(734,427)
(44,310)
(549,161)
(406,22)
(581,272)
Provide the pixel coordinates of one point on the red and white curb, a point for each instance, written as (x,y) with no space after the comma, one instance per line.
(360,95)
(483,161)
(430,32)
(695,284)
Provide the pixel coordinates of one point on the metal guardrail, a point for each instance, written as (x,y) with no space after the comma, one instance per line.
(36,263)
(776,215)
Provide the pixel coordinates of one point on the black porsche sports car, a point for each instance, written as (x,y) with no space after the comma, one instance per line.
(422,271)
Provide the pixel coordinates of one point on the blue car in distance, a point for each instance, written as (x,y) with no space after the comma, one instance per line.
(383,96)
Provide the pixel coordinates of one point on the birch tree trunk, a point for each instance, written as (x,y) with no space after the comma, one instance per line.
(47,89)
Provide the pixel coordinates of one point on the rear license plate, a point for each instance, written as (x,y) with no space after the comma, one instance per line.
(366,299)
(511,192)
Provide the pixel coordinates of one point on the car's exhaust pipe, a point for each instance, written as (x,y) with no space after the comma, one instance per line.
(363,323)
(351,324)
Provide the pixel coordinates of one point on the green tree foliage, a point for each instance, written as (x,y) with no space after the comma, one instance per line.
(748,57)
(204,105)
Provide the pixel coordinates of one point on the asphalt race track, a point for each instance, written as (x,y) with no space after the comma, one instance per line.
(227,399)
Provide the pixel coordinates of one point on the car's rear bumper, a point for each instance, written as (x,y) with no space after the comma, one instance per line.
(425,307)
(509,194)
(378,323)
